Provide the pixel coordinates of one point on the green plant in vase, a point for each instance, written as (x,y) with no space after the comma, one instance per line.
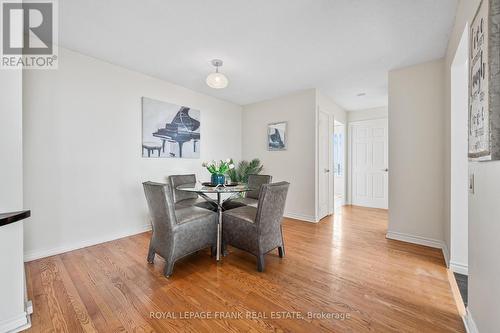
(218,170)
(240,173)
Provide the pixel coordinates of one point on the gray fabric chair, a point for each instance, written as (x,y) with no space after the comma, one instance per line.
(252,197)
(187,199)
(177,232)
(258,230)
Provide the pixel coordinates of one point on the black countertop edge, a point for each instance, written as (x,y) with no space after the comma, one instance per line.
(8,218)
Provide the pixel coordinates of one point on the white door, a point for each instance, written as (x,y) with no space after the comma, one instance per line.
(338,160)
(323,164)
(369,163)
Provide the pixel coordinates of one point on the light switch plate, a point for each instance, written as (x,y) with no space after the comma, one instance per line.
(471,183)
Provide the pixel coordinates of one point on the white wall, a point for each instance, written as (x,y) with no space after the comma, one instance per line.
(11,143)
(484,247)
(295,165)
(12,296)
(465,11)
(416,148)
(484,211)
(459,163)
(327,104)
(82,150)
(375,113)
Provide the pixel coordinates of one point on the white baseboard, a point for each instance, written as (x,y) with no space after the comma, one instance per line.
(14,324)
(470,324)
(438,244)
(23,327)
(459,268)
(302,217)
(415,239)
(37,254)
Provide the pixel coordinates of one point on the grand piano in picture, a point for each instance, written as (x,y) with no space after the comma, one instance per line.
(275,140)
(183,128)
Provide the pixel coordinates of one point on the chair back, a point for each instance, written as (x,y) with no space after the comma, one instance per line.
(255,182)
(270,208)
(177,180)
(161,209)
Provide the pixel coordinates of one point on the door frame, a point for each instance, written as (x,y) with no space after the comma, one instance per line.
(345,163)
(350,125)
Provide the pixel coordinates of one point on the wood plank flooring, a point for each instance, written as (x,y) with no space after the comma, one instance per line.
(342,267)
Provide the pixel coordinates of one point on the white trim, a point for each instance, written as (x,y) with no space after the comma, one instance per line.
(348,179)
(368,118)
(458,167)
(415,239)
(446,254)
(316,162)
(23,327)
(459,268)
(470,324)
(438,244)
(37,254)
(301,217)
(344,164)
(331,176)
(14,324)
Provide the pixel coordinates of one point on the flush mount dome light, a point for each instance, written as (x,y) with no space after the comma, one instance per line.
(217,80)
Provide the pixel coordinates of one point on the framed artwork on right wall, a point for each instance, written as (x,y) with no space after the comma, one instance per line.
(484,83)
(277,136)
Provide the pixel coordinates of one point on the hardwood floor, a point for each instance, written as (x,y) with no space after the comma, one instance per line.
(342,266)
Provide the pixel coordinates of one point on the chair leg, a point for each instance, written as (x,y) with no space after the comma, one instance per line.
(260,263)
(169,268)
(224,249)
(281,251)
(151,254)
(213,251)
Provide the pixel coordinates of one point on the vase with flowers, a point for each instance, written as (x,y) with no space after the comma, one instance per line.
(218,169)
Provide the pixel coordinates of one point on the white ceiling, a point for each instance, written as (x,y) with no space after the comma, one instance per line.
(269,47)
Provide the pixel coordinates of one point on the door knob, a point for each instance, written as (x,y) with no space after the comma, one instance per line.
(385,170)
(327,170)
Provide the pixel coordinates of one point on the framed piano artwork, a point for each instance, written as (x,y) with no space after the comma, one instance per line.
(169,130)
(484,83)
(276,136)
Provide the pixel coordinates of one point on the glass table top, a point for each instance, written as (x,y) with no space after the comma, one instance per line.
(200,188)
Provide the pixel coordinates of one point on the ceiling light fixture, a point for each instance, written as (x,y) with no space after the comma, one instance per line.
(217,80)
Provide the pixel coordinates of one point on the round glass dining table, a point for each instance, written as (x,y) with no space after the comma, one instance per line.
(204,190)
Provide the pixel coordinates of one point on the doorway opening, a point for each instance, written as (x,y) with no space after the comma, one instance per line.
(339,158)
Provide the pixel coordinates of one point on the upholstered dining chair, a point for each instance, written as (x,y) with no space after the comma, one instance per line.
(258,230)
(177,232)
(252,197)
(184,198)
